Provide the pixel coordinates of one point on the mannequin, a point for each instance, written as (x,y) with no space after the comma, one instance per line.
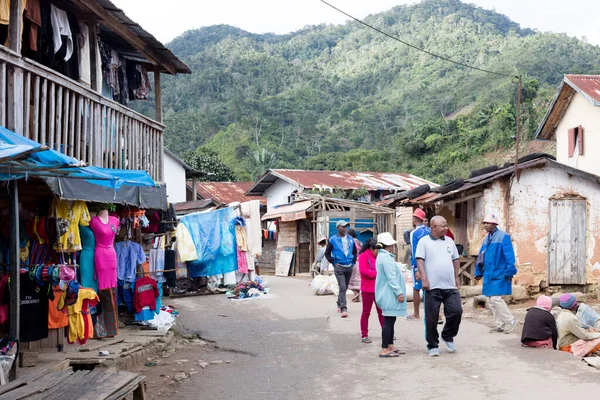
(86,258)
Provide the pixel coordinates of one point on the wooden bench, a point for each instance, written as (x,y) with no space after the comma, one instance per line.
(77,385)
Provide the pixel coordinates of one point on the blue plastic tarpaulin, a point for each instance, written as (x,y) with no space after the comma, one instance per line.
(213,234)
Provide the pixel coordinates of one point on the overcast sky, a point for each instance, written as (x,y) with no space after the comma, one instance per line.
(167,21)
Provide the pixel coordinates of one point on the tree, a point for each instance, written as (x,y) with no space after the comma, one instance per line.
(263,160)
(207,160)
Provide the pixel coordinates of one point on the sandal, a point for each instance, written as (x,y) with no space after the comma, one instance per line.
(366,340)
(412,317)
(398,351)
(389,355)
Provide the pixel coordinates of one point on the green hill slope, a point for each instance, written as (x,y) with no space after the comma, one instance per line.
(346,97)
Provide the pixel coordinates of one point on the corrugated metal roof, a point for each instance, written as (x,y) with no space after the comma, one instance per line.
(227,192)
(191,206)
(347,180)
(588,85)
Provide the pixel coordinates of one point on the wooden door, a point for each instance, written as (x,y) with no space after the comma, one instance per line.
(567,242)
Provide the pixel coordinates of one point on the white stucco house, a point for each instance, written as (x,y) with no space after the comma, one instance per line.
(573,121)
(176,173)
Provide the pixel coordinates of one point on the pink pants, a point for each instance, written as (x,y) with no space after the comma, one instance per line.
(367,304)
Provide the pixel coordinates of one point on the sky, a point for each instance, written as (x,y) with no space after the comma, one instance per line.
(575,17)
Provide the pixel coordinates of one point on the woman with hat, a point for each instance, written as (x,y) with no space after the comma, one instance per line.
(539,328)
(390,291)
(572,337)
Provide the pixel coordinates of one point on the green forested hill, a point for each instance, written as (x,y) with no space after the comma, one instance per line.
(346,97)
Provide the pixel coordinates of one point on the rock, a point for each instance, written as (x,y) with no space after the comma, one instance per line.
(519,293)
(194,373)
(203,365)
(216,362)
(470,291)
(182,361)
(189,336)
(228,362)
(180,377)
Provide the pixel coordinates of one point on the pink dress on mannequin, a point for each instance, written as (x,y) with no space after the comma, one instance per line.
(105,257)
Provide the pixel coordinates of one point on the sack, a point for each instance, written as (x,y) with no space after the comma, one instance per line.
(324,285)
(587,316)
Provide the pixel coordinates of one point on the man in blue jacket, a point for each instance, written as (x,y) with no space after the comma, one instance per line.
(496,265)
(421,230)
(341,252)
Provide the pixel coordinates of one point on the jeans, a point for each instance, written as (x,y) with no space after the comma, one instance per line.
(367,305)
(387,333)
(343,275)
(500,312)
(434,298)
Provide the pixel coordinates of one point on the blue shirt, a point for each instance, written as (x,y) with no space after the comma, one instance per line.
(129,255)
(417,234)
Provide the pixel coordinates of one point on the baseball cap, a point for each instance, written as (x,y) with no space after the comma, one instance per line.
(341,222)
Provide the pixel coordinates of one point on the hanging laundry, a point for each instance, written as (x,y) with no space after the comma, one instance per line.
(56,318)
(62,31)
(34,311)
(107,323)
(146,313)
(250,210)
(185,244)
(145,294)
(83,44)
(129,256)
(75,213)
(241,237)
(33,14)
(157,263)
(80,320)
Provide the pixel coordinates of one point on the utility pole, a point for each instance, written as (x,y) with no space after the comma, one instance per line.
(518,126)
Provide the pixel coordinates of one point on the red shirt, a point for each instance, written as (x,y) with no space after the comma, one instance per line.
(145,294)
(449,234)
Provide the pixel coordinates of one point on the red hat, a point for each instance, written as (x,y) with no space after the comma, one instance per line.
(419,213)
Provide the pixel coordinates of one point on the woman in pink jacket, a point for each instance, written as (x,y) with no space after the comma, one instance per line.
(368,272)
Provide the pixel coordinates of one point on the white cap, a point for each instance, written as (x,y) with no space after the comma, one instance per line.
(386,239)
(341,222)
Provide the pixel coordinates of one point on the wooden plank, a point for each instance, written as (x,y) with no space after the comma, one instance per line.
(81,381)
(161,158)
(120,142)
(79,120)
(16,25)
(112,384)
(3,104)
(127,159)
(157,96)
(140,392)
(126,390)
(39,385)
(284,263)
(44,112)
(14,99)
(27,105)
(98,135)
(85,151)
(109,131)
(65,121)
(104,139)
(58,119)
(36,109)
(71,132)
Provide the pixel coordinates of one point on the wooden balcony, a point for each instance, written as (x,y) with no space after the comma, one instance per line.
(64,115)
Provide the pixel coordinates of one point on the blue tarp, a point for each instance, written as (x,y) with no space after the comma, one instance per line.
(213,234)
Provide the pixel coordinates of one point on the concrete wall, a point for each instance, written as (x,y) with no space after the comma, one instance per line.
(278,193)
(174,176)
(580,112)
(526,215)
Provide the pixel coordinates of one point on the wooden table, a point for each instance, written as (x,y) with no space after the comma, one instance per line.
(466,272)
(80,385)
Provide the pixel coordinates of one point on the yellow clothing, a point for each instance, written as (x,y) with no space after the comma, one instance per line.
(80,320)
(241,238)
(5,14)
(77,214)
(185,244)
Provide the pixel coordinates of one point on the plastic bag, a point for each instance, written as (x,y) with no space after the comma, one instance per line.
(587,316)
(323,285)
(6,363)
(163,321)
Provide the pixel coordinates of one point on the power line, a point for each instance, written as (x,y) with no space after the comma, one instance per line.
(416,47)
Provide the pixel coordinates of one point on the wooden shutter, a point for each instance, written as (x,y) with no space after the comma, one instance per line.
(571,140)
(580,139)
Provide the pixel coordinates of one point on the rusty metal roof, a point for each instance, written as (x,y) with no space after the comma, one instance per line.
(187,207)
(227,192)
(586,85)
(347,180)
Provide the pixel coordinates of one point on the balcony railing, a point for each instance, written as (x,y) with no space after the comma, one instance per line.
(75,120)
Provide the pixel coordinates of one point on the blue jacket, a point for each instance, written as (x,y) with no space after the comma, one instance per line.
(335,251)
(417,234)
(389,284)
(498,264)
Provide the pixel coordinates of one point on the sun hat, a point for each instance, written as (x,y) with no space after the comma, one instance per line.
(491,219)
(568,301)
(386,239)
(341,222)
(419,213)
(544,302)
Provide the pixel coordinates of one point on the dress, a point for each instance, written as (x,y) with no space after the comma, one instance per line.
(86,258)
(105,257)
(77,214)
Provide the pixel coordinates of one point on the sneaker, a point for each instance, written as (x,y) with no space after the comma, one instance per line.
(435,352)
(496,330)
(450,346)
(344,314)
(511,326)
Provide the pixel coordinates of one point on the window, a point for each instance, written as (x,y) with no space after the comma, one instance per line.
(575,141)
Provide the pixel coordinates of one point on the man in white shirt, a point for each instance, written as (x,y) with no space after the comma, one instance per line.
(437,262)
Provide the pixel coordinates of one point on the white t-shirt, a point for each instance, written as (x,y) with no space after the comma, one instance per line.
(438,256)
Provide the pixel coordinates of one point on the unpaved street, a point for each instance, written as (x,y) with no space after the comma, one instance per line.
(295,346)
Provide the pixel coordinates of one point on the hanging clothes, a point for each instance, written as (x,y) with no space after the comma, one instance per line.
(107,323)
(145,294)
(250,211)
(75,213)
(170,265)
(34,311)
(129,255)
(185,244)
(83,44)
(157,263)
(33,14)
(56,318)
(5,17)
(86,258)
(105,257)
(146,313)
(80,320)
(61,30)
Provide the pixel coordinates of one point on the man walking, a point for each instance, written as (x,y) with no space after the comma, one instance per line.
(420,231)
(437,260)
(341,252)
(496,265)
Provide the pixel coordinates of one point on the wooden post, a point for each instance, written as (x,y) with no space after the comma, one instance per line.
(15,25)
(93,60)
(14,285)
(157,95)
(194,189)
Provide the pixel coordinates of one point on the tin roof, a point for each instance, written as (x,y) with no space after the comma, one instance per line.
(227,192)
(187,207)
(586,85)
(347,180)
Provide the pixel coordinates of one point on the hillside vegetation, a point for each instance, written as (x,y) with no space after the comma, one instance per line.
(345,97)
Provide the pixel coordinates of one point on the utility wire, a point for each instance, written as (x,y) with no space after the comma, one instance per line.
(418,48)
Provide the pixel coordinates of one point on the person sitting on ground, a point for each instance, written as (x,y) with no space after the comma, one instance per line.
(572,337)
(539,328)
(354,284)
